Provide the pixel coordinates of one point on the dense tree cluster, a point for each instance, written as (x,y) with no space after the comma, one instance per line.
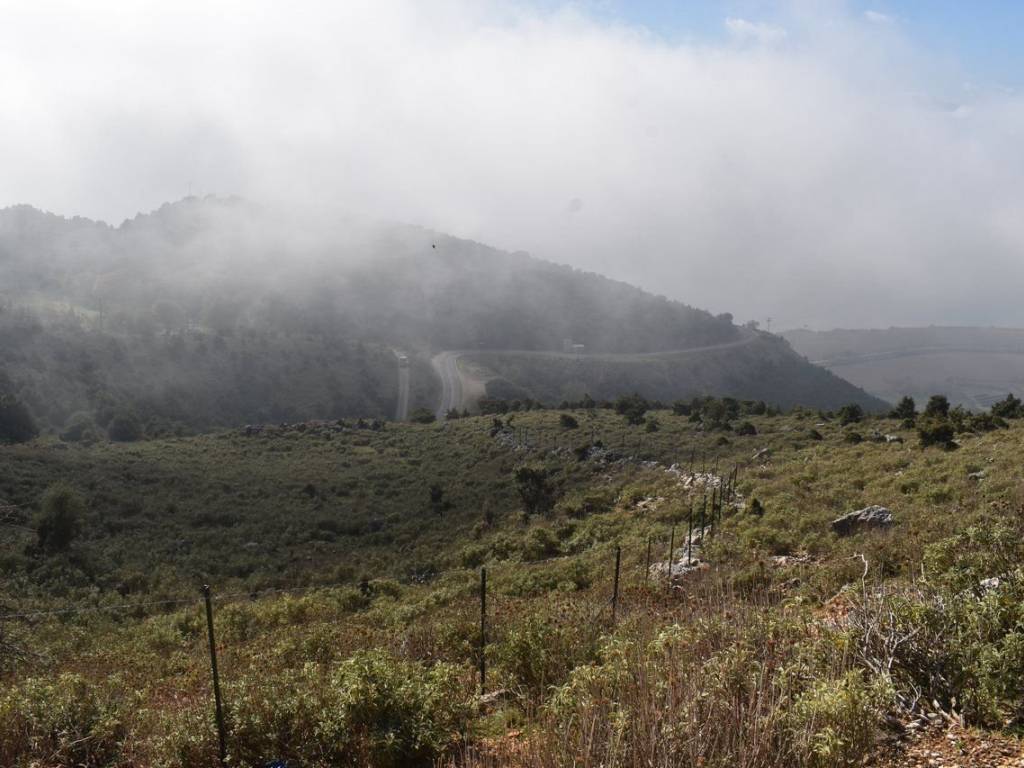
(16,423)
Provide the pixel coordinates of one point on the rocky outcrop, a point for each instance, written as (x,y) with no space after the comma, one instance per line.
(875,516)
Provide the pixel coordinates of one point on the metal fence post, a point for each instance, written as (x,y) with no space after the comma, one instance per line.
(671,550)
(221,736)
(615,589)
(483,629)
(647,563)
(689,538)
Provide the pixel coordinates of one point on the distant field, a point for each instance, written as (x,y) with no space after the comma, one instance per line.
(974,367)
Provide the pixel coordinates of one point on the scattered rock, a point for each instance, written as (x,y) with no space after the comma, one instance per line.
(977,476)
(786,560)
(990,583)
(493,698)
(934,743)
(875,516)
(893,439)
(763,454)
(650,503)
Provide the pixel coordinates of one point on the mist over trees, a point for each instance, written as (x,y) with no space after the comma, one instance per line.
(216,311)
(221,265)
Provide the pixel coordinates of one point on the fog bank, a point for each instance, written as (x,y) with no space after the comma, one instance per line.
(814,167)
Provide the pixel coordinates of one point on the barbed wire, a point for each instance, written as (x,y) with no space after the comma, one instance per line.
(97,609)
(259,593)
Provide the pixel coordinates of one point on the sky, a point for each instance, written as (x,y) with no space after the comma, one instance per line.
(983,36)
(833,163)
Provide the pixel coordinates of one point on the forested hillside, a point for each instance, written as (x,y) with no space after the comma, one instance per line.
(217,312)
(762,367)
(78,380)
(226,264)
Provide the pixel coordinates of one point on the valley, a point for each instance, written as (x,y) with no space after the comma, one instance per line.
(367,576)
(974,367)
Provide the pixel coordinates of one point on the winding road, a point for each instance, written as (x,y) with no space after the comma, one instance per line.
(454,382)
(446,366)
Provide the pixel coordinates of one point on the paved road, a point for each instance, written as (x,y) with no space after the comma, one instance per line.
(446,365)
(402,406)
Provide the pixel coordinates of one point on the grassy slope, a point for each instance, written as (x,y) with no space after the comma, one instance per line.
(746,619)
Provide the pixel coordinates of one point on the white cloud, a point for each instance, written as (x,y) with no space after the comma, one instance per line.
(815,182)
(875,17)
(753,32)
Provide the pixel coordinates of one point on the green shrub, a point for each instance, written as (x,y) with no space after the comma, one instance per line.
(906,408)
(835,721)
(534,489)
(542,649)
(633,407)
(422,416)
(16,423)
(59,521)
(962,648)
(716,691)
(1009,407)
(937,407)
(850,414)
(125,427)
(80,428)
(71,720)
(936,431)
(371,710)
(540,544)
(590,501)
(681,408)
(984,422)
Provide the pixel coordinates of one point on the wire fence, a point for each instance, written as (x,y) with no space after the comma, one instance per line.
(700,523)
(604,609)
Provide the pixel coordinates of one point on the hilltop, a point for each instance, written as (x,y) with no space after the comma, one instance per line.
(217,312)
